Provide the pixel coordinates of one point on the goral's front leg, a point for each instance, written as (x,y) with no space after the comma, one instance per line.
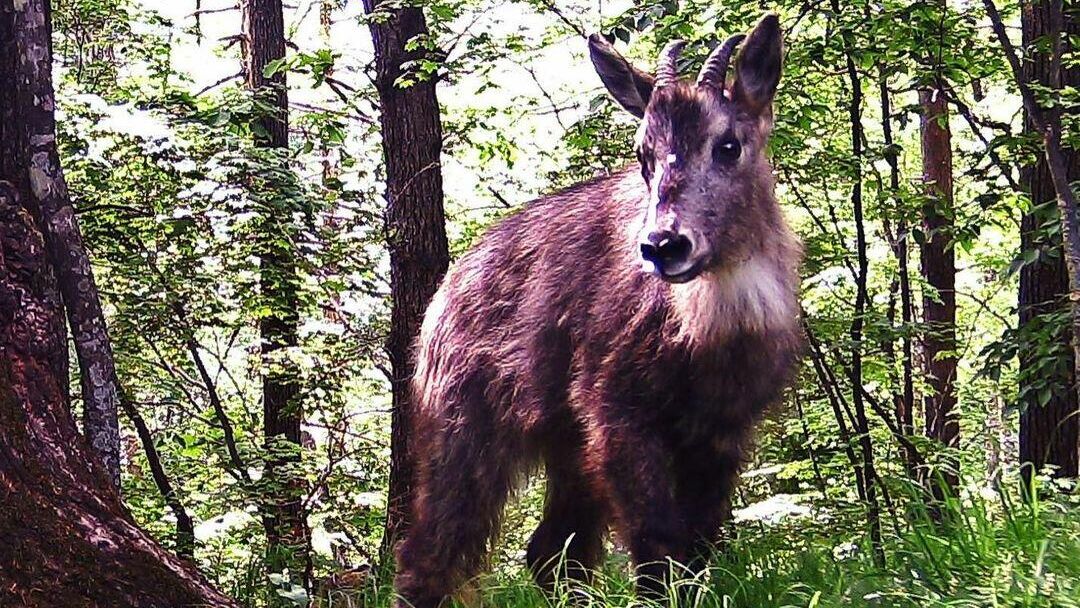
(630,462)
(705,477)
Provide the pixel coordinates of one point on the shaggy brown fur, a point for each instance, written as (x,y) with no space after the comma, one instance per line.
(548,344)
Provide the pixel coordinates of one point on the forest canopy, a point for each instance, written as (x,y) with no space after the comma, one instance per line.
(222,222)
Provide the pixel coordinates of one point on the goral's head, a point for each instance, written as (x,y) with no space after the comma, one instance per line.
(701,146)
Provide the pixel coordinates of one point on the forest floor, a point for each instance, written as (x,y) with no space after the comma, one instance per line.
(990,549)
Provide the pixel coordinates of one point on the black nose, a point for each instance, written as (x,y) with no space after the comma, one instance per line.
(665,249)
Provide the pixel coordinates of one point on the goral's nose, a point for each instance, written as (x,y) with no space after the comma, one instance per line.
(665,249)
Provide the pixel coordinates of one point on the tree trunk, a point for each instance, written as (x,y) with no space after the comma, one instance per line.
(1050,432)
(415,223)
(48,201)
(67,539)
(862,425)
(904,400)
(288,543)
(939,270)
(184,541)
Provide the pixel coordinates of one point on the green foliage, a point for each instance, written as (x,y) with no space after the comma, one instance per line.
(994,550)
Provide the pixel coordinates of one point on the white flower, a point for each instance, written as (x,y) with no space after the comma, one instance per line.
(772,510)
(844,550)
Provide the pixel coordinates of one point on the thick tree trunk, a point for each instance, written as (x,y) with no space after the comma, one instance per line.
(51,206)
(67,539)
(288,543)
(415,222)
(1049,433)
(939,269)
(264,33)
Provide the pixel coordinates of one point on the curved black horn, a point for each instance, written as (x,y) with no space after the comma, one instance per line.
(714,72)
(667,70)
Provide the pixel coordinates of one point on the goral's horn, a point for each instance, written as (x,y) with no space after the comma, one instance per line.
(667,70)
(714,72)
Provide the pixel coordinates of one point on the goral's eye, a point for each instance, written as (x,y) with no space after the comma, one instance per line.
(726,150)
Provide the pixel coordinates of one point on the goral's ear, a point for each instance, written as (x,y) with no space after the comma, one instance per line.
(629,86)
(757,69)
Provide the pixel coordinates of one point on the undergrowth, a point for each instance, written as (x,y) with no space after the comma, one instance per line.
(986,548)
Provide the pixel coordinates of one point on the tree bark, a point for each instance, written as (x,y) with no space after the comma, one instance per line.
(939,267)
(415,222)
(1050,432)
(67,539)
(48,201)
(288,542)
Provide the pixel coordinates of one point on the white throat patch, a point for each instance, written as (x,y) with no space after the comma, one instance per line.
(753,297)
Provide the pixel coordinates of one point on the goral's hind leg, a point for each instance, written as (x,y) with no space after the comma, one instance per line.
(466,470)
(568,544)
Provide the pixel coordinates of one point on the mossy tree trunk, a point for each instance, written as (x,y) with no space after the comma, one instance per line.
(288,542)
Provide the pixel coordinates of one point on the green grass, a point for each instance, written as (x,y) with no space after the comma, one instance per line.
(989,549)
